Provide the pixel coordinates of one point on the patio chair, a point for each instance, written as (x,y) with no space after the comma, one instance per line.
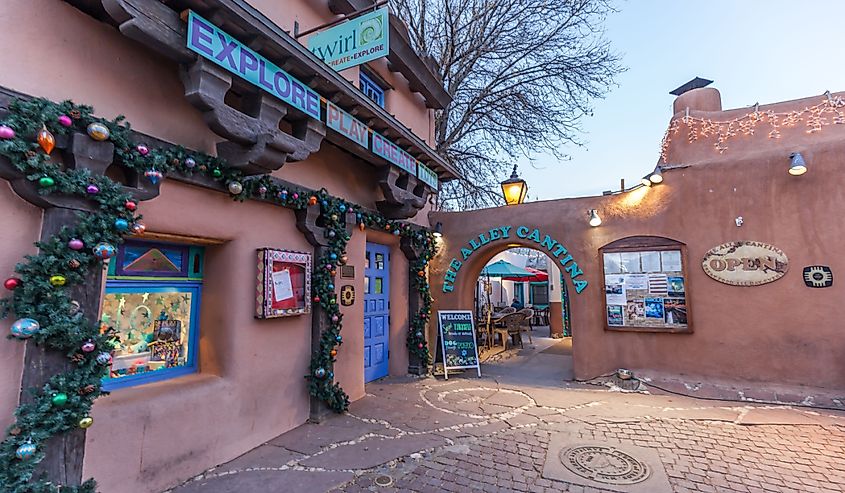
(507,310)
(529,316)
(511,323)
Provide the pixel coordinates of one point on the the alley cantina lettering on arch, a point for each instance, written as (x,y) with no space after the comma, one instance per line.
(555,249)
(745,263)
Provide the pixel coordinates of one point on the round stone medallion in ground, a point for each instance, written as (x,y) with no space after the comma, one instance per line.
(604,464)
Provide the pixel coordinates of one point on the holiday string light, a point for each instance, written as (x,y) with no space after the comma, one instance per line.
(829,111)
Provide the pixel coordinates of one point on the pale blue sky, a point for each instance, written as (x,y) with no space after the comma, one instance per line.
(754,50)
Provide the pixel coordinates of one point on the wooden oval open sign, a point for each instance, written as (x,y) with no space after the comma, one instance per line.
(745,263)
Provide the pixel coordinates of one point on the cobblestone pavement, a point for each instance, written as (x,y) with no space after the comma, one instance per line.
(468,434)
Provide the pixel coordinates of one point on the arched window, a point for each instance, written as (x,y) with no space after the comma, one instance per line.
(646,285)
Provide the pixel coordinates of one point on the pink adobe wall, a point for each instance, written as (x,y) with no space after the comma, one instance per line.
(21,223)
(349,369)
(409,107)
(100,67)
(250,387)
(782,331)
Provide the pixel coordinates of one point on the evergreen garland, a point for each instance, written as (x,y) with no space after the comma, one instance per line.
(66,399)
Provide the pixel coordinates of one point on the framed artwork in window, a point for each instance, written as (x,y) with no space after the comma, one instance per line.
(284,283)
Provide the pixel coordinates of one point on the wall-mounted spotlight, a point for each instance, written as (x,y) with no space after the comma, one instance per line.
(646,181)
(656,176)
(797,166)
(595,220)
(438,230)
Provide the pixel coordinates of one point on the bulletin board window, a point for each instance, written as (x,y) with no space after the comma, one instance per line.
(646,287)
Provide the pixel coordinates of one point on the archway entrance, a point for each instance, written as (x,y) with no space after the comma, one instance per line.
(524,322)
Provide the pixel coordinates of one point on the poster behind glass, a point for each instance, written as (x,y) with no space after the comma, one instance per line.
(645,289)
(284,283)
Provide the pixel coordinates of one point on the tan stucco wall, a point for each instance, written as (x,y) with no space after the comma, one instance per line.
(21,225)
(783,331)
(250,387)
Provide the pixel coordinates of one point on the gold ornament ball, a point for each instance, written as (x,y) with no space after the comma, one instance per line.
(58,280)
(86,422)
(98,131)
(334,353)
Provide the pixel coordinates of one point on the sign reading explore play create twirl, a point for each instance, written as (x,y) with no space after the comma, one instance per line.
(457,340)
(354,42)
(556,251)
(212,43)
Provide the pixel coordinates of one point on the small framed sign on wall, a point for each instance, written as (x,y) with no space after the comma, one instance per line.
(284,283)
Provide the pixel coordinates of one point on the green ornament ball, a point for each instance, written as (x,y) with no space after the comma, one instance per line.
(59,399)
(216,173)
(46,182)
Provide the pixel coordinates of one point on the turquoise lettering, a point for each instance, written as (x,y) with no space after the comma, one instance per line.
(548,242)
(450,276)
(484,239)
(579,285)
(535,235)
(455,264)
(474,245)
(560,249)
(522,231)
(466,252)
(494,234)
(566,259)
(573,270)
(505,231)
(447,288)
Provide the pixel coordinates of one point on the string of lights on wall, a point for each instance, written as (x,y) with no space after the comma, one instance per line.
(830,111)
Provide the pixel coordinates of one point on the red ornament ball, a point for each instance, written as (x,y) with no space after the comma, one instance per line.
(420,345)
(12,283)
(316,299)
(130,205)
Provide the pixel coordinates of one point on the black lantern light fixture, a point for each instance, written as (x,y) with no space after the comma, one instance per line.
(438,230)
(514,189)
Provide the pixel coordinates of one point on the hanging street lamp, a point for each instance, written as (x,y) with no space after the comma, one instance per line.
(514,189)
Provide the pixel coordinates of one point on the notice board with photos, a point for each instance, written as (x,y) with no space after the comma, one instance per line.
(646,287)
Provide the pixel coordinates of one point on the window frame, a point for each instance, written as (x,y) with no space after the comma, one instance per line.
(640,244)
(366,81)
(188,280)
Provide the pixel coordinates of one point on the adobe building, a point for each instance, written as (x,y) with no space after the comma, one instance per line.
(268,174)
(724,270)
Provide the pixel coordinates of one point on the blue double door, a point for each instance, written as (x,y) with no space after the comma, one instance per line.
(376,311)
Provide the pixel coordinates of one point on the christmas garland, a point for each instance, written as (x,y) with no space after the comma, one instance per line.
(47,314)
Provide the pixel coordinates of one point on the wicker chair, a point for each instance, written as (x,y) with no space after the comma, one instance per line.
(512,323)
(526,323)
(507,310)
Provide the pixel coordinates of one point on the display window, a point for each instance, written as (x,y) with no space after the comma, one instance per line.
(150,310)
(645,285)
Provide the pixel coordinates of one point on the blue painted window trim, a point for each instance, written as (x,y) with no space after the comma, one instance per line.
(371,89)
(518,291)
(194,287)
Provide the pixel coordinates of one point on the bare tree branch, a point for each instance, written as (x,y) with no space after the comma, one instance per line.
(522,74)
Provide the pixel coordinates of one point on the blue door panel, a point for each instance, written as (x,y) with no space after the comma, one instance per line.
(376,312)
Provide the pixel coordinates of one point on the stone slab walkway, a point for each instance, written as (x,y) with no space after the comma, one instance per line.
(514,433)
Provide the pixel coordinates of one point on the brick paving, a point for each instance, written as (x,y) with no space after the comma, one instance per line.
(471,435)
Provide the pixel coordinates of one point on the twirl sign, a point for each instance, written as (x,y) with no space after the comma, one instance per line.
(354,42)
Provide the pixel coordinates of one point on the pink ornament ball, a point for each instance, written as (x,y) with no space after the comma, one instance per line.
(88,346)
(92,189)
(64,120)
(142,149)
(295,196)
(6,132)
(76,244)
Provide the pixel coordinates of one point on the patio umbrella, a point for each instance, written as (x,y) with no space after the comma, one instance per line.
(537,276)
(505,269)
